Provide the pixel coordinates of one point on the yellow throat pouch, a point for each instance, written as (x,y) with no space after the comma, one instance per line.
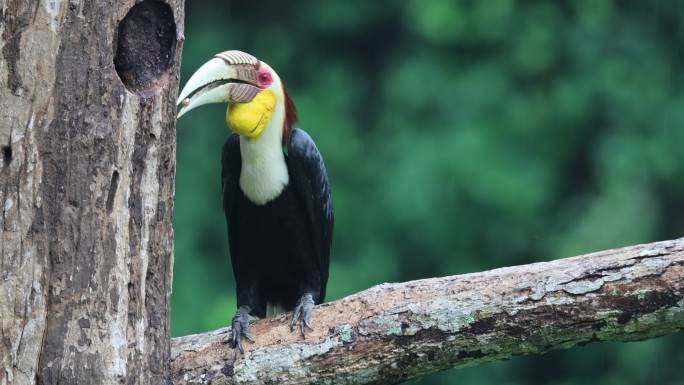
(249,119)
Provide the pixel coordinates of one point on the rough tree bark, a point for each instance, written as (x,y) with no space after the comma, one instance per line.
(87,158)
(394,332)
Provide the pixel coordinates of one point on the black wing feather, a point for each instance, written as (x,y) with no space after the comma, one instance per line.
(231,163)
(307,172)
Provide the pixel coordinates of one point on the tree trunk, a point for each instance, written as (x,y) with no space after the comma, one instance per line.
(87,159)
(394,332)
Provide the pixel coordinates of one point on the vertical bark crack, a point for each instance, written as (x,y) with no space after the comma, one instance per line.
(113,186)
(6,155)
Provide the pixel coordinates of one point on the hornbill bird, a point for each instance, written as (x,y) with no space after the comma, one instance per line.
(276,195)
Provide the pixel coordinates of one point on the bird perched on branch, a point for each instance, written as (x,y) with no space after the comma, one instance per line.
(276,195)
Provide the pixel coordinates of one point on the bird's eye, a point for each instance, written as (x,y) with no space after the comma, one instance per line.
(264,78)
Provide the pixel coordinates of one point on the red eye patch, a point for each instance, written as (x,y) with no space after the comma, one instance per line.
(265,78)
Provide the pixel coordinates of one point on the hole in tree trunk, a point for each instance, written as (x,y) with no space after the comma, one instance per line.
(6,155)
(145,47)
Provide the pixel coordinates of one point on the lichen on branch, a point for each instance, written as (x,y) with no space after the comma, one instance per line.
(394,332)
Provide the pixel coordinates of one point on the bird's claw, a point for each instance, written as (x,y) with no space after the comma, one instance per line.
(302,313)
(241,328)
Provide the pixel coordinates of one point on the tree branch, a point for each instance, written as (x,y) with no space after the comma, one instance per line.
(393,332)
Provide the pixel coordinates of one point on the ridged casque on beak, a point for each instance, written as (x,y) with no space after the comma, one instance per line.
(230,76)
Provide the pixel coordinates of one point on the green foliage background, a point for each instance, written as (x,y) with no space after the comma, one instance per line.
(459,136)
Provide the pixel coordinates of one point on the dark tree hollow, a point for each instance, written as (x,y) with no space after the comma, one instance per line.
(145,47)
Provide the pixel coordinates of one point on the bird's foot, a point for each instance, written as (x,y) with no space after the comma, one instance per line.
(302,312)
(241,328)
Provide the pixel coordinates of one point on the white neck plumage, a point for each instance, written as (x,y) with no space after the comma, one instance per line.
(264,171)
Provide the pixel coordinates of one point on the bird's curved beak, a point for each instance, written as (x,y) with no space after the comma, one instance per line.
(220,80)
